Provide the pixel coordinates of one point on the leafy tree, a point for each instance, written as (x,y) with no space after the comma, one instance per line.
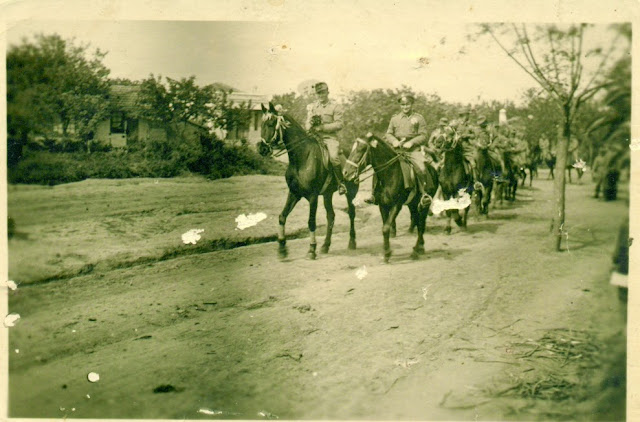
(557,59)
(52,81)
(295,105)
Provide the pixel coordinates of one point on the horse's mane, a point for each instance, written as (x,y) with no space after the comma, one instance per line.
(383,142)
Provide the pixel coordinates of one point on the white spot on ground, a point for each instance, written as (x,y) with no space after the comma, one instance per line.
(210,412)
(461,202)
(88,396)
(580,164)
(406,363)
(362,272)
(267,415)
(425,291)
(17,350)
(12,285)
(93,377)
(192,236)
(635,145)
(245,221)
(11,320)
(315,374)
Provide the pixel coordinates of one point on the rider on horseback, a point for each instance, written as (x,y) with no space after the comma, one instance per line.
(466,133)
(408,132)
(487,137)
(324,119)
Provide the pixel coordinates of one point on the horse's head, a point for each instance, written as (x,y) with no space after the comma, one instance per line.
(272,129)
(358,157)
(448,139)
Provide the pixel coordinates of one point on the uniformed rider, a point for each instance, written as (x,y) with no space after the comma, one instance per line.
(408,132)
(466,133)
(324,118)
(488,136)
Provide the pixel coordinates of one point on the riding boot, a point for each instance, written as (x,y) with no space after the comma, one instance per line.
(425,198)
(372,199)
(337,172)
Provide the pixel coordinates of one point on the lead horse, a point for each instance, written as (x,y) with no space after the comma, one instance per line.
(307,175)
(391,190)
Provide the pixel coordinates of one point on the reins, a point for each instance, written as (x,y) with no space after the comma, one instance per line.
(382,167)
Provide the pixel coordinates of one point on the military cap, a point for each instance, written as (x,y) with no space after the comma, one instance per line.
(464,110)
(406,98)
(443,121)
(321,87)
(482,121)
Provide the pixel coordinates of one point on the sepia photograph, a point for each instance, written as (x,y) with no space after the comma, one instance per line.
(319,211)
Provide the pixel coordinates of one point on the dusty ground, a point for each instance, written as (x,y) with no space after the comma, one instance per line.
(489,324)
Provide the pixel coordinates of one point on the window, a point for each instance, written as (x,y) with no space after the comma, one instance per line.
(118,123)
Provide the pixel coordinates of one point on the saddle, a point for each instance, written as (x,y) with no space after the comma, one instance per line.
(323,149)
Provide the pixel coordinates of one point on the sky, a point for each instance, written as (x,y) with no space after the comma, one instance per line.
(275,57)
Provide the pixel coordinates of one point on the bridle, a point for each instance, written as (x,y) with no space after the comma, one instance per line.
(278,133)
(360,164)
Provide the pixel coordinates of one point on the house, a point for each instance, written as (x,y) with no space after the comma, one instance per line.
(125,125)
(249,131)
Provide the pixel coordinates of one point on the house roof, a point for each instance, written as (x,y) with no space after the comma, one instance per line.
(125,98)
(248,99)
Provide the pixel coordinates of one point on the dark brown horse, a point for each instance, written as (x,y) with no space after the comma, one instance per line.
(391,191)
(308,176)
(488,171)
(453,177)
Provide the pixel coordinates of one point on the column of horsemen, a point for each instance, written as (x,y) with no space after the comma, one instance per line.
(408,134)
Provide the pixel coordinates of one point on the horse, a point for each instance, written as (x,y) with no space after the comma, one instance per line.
(532,159)
(508,185)
(391,190)
(453,177)
(488,170)
(308,176)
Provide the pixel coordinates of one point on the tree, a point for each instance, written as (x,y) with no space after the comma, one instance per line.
(178,102)
(52,81)
(558,60)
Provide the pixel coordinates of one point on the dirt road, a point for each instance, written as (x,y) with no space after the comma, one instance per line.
(489,324)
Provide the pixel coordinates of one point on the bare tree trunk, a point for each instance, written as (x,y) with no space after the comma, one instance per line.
(557,221)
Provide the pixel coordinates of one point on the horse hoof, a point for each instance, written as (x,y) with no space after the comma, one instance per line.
(418,250)
(352,244)
(311,255)
(324,249)
(447,230)
(415,255)
(282,253)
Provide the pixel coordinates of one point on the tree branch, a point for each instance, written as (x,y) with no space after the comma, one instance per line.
(553,56)
(541,83)
(532,60)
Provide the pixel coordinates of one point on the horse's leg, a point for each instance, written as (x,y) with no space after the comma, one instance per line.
(292,200)
(394,231)
(386,229)
(447,229)
(313,208)
(421,217)
(331,216)
(352,190)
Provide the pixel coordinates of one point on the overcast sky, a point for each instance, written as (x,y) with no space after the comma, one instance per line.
(275,57)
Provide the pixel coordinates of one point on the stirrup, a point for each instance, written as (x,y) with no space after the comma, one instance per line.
(426,200)
(342,189)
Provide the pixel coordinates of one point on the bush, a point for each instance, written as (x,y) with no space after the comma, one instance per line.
(213,159)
